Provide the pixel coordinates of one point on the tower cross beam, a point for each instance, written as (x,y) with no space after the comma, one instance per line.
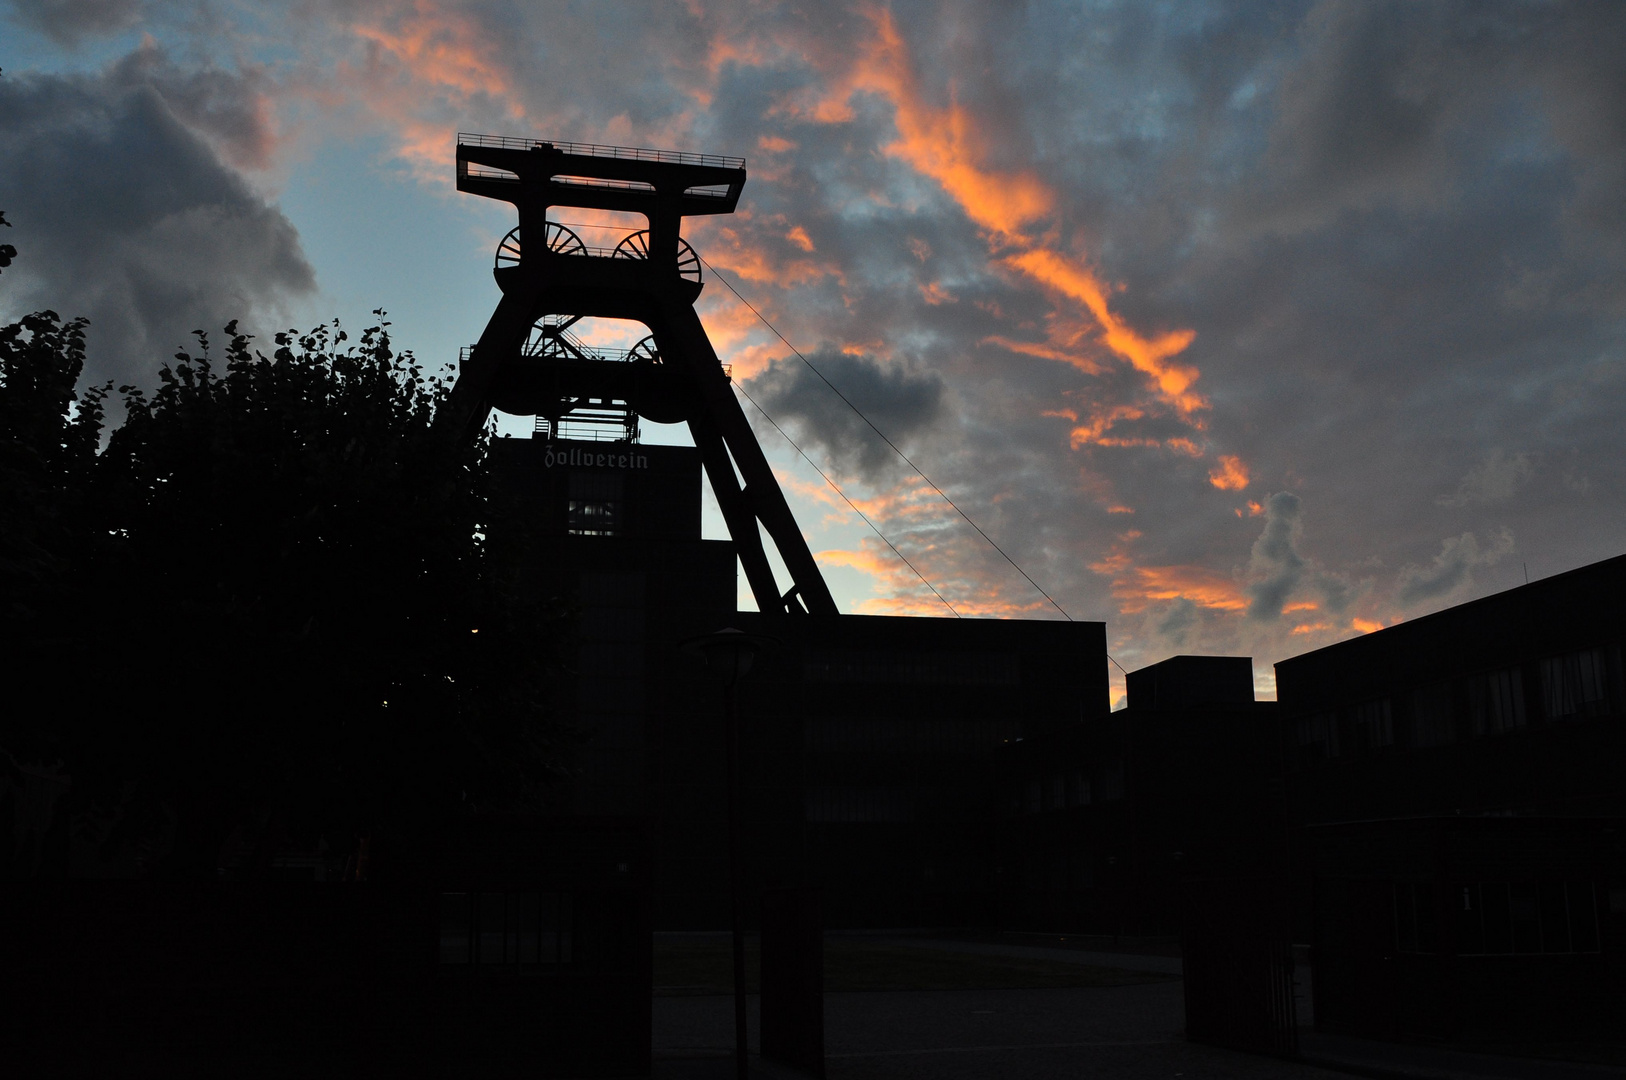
(653,278)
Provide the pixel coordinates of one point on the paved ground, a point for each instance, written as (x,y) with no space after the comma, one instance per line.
(1163,965)
(1127,1032)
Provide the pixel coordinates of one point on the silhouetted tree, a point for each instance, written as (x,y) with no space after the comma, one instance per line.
(267,606)
(7,252)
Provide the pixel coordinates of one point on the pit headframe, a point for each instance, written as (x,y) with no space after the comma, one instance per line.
(524,362)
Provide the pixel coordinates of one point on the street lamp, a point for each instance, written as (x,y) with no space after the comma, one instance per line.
(729,654)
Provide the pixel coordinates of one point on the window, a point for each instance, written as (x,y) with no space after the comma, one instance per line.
(905,735)
(915,668)
(1316,737)
(501,928)
(1500,917)
(1414,917)
(1575,684)
(1431,715)
(1058,792)
(849,805)
(1078,788)
(595,504)
(1496,701)
(1372,723)
(1109,780)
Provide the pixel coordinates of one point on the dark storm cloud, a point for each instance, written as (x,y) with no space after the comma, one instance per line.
(229,108)
(899,400)
(68,22)
(127,215)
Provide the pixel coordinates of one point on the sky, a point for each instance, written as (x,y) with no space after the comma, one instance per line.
(1245,328)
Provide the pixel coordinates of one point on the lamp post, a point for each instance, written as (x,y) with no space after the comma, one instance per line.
(729,654)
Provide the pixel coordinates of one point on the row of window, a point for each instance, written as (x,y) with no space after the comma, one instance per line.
(1075,787)
(1572,686)
(860,804)
(595,506)
(921,668)
(906,735)
(1500,917)
(487,928)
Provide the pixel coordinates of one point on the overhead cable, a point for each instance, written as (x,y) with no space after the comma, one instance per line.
(837,487)
(941,493)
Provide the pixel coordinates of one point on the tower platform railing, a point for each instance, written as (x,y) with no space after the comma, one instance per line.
(628,153)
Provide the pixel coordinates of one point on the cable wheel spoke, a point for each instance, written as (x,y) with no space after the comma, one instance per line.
(559,240)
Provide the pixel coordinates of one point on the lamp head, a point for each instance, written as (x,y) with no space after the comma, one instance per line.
(728,653)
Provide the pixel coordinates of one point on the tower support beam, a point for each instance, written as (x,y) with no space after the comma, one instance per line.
(544,270)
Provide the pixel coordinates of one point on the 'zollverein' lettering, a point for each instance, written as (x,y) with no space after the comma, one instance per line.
(578,458)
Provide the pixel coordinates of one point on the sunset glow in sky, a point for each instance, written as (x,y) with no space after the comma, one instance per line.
(1244,328)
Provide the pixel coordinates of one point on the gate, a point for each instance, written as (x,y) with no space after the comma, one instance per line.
(1239,965)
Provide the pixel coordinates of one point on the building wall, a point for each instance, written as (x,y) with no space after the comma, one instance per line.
(1099,825)
(875,739)
(1510,704)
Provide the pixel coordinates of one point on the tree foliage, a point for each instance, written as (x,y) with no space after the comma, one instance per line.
(267,607)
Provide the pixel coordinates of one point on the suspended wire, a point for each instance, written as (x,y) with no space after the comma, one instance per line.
(918,472)
(941,494)
(745,394)
(834,486)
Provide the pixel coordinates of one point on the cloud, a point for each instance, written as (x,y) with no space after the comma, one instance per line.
(1494,479)
(1452,569)
(126,214)
(1230,474)
(900,399)
(1275,567)
(1089,256)
(70,22)
(233,109)
(1178,622)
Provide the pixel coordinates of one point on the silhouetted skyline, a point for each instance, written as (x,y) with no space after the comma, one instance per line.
(1244,330)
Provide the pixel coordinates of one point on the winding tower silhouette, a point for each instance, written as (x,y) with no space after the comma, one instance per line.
(527,362)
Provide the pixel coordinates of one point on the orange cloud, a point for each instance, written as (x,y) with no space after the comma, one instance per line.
(942,143)
(732,250)
(429,48)
(1151,356)
(1045,352)
(1202,586)
(1230,474)
(1094,430)
(1365,626)
(946,144)
(815,490)
(1185,446)
(1136,586)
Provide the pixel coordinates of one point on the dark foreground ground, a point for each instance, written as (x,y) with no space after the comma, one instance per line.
(904,1008)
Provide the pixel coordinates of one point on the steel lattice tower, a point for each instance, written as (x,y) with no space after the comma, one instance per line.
(526,362)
